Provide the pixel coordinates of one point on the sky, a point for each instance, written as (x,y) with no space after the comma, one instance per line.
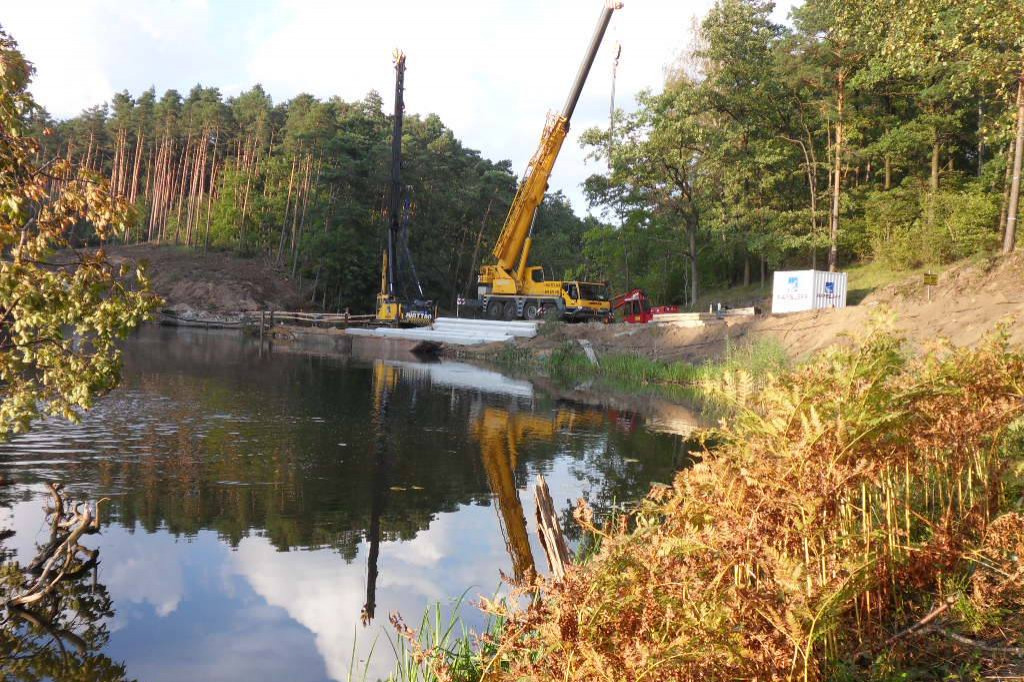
(491,69)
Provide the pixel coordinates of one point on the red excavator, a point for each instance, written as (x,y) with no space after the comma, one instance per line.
(637,308)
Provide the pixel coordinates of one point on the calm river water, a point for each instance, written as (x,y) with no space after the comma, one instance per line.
(269,510)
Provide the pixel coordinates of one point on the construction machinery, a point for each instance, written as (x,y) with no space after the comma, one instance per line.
(637,309)
(400,301)
(511,288)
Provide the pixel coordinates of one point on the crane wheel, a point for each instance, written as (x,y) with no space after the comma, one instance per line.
(551,313)
(494,310)
(531,310)
(510,310)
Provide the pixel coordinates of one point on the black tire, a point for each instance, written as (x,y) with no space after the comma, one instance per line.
(494,309)
(509,312)
(531,311)
(551,313)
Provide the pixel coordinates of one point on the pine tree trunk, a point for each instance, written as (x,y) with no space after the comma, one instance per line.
(474,263)
(122,189)
(1006,190)
(833,249)
(147,175)
(88,153)
(933,182)
(194,187)
(245,197)
(1010,238)
(981,138)
(139,150)
(302,222)
(213,185)
(115,165)
(181,186)
(299,197)
(287,205)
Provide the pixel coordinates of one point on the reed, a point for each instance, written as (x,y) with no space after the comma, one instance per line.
(567,363)
(441,648)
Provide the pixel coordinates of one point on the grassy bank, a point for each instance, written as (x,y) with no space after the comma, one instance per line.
(862,517)
(569,365)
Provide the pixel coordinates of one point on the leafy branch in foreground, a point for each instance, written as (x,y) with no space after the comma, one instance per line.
(861,518)
(58,322)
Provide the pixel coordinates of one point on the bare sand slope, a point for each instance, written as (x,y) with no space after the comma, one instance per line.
(214,282)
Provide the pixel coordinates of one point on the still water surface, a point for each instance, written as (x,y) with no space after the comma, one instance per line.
(269,510)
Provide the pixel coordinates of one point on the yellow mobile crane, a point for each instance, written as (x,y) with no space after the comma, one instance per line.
(511,288)
(393,304)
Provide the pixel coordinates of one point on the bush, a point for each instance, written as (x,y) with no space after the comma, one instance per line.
(968,222)
(909,228)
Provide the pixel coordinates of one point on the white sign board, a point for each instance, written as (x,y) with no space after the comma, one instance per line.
(798,290)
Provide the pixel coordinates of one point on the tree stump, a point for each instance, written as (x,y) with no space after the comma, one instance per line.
(550,531)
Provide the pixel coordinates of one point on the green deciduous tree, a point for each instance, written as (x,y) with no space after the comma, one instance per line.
(61,315)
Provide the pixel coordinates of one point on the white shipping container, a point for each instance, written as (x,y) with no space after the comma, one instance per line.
(798,290)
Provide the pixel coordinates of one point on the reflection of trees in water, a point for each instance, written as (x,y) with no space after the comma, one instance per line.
(54,610)
(212,437)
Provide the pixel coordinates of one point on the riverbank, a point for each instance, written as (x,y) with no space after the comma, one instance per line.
(861,518)
(569,365)
(971,298)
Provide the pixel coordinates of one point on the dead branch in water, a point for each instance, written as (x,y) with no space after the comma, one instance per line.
(62,557)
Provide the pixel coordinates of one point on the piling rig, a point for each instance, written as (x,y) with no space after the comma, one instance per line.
(401,301)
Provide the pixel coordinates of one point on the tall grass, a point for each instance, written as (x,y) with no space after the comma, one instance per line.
(758,358)
(441,648)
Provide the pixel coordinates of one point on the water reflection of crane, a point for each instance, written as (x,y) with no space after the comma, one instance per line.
(385,378)
(500,433)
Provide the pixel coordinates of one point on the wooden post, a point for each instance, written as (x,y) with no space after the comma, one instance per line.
(550,531)
(263,314)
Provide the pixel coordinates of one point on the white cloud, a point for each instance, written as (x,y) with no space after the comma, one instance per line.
(147,570)
(325,594)
(492,70)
